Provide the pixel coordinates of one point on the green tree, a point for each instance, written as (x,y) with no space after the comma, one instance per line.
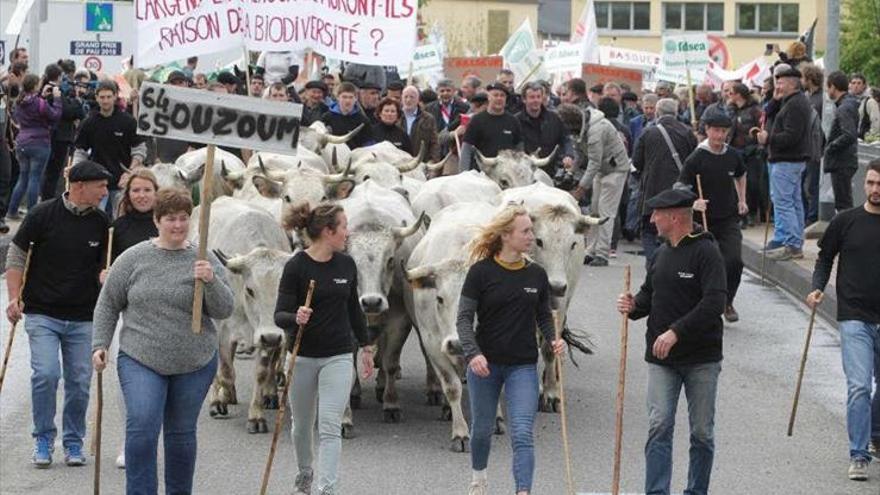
(860,38)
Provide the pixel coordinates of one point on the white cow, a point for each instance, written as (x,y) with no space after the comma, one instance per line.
(441,192)
(276,161)
(259,250)
(559,230)
(188,169)
(437,269)
(514,168)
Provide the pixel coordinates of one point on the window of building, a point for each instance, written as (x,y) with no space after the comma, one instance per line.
(623,16)
(693,16)
(767,18)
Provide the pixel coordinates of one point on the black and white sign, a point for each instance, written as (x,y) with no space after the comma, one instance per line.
(99,48)
(215,118)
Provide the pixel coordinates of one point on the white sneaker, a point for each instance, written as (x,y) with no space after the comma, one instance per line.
(120,460)
(479,488)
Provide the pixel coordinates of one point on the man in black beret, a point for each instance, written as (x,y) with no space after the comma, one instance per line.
(68,238)
(722,174)
(313,102)
(683,297)
(368,97)
(230,81)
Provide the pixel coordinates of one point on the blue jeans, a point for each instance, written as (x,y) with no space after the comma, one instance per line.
(155,402)
(32,161)
(787,195)
(520,384)
(664,388)
(859,343)
(47,336)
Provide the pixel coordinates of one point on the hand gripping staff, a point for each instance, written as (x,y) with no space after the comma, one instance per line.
(282,404)
(800,379)
(205,199)
(27,264)
(621,388)
(569,483)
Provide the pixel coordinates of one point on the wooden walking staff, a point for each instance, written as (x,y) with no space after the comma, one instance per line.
(621,388)
(700,192)
(95,422)
(764,248)
(97,438)
(800,379)
(282,404)
(204,221)
(569,483)
(27,264)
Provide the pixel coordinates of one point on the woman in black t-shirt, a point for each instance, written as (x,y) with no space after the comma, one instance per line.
(510,296)
(323,373)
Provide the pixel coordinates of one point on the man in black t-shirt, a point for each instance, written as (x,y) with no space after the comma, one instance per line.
(722,175)
(68,238)
(853,236)
(491,131)
(109,137)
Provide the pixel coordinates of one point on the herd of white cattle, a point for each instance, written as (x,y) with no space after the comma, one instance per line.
(408,237)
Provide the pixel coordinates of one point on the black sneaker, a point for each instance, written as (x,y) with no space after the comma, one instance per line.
(588,259)
(4,229)
(730,314)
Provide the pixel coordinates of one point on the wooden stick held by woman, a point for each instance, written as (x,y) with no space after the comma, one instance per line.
(621,388)
(800,379)
(94,448)
(97,441)
(569,482)
(27,264)
(204,221)
(282,404)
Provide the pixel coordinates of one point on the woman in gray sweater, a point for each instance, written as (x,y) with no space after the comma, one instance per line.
(165,369)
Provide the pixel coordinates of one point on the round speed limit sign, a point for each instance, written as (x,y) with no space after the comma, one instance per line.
(92,63)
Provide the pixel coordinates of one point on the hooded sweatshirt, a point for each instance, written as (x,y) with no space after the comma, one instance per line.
(36,117)
(341,124)
(685,291)
(717,172)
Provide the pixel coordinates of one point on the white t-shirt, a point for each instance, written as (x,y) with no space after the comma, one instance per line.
(276,64)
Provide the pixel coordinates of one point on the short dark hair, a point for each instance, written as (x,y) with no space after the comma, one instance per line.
(13,55)
(742,90)
(505,72)
(609,107)
(533,86)
(107,85)
(837,80)
(577,86)
(874,165)
(859,76)
(384,103)
(171,200)
(346,87)
(813,74)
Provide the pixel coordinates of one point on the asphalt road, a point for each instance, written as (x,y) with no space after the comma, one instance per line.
(753,453)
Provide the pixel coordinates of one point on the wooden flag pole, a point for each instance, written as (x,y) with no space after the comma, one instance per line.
(204,221)
(621,388)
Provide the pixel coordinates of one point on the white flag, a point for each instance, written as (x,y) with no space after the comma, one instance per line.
(587,34)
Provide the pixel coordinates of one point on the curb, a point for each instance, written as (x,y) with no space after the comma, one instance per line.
(789,276)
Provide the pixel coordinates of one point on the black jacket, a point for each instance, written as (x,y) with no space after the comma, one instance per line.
(789,139)
(545,132)
(842,149)
(394,135)
(341,124)
(653,160)
(458,107)
(72,109)
(685,291)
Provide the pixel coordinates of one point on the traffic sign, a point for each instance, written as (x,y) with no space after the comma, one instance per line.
(94,64)
(104,48)
(99,17)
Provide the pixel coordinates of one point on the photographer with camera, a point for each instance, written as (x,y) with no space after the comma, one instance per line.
(72,110)
(36,112)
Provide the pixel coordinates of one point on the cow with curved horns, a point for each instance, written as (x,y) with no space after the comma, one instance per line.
(189,168)
(513,168)
(559,229)
(259,250)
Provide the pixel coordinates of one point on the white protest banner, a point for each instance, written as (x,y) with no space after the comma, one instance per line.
(587,34)
(18,16)
(426,61)
(171,30)
(216,118)
(750,74)
(629,59)
(373,33)
(521,54)
(683,53)
(563,61)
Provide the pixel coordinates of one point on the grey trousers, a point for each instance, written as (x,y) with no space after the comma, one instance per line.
(320,388)
(607,190)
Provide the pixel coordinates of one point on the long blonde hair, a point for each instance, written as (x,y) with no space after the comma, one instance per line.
(487,243)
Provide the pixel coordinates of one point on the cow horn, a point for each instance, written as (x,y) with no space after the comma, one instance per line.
(262,165)
(589,220)
(334,160)
(542,162)
(420,272)
(331,139)
(483,161)
(434,167)
(221,256)
(334,178)
(224,172)
(414,163)
(404,232)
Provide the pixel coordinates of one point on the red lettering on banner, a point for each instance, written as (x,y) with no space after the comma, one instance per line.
(189,30)
(145,10)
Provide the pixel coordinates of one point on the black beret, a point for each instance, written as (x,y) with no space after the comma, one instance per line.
(717,118)
(787,72)
(317,85)
(87,170)
(480,98)
(395,86)
(672,198)
(629,96)
(227,78)
(496,86)
(176,76)
(369,85)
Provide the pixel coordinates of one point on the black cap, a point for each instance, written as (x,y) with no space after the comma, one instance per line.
(787,71)
(629,96)
(87,170)
(482,98)
(175,76)
(395,86)
(672,198)
(369,85)
(317,85)
(227,78)
(496,86)
(717,118)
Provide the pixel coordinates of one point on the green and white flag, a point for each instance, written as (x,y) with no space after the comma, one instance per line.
(521,54)
(682,53)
